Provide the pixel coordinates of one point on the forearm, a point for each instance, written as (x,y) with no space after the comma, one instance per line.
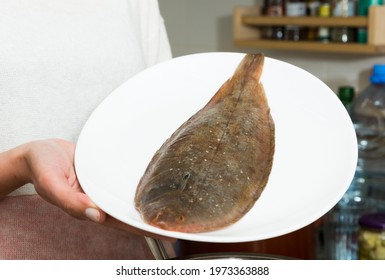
(12,170)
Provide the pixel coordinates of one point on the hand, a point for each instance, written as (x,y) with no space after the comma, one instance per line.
(50,167)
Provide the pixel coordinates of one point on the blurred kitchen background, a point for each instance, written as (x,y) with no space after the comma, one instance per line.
(207,25)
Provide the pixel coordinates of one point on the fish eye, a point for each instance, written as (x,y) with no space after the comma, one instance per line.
(185,178)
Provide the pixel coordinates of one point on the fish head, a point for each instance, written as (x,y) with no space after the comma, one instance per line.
(170,215)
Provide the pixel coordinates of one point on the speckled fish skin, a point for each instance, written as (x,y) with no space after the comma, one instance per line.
(213,168)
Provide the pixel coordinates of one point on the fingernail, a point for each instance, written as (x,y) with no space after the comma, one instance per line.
(93,214)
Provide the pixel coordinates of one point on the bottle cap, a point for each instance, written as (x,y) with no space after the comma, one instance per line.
(378,74)
(346,93)
(373,220)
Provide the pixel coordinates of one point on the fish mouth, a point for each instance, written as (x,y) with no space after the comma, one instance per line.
(171,220)
(165,218)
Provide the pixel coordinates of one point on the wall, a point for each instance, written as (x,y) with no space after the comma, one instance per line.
(206,25)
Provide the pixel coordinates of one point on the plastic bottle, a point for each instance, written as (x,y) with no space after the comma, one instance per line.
(340,228)
(367,190)
(368,116)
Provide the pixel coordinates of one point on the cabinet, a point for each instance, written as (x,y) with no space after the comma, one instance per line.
(248,21)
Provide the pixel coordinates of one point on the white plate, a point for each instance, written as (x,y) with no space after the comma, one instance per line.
(314,162)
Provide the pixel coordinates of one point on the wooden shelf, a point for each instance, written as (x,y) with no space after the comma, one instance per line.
(310,46)
(308,21)
(248,21)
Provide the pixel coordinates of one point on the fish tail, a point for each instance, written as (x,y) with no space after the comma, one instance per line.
(251,66)
(249,71)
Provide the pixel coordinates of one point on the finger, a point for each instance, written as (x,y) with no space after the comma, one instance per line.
(80,206)
(91,211)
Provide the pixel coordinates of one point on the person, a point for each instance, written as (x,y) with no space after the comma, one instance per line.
(58,61)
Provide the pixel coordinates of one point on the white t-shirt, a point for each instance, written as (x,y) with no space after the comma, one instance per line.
(60,59)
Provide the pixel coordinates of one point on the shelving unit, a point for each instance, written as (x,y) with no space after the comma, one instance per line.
(247,23)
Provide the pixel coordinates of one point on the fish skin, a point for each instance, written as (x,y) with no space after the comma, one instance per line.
(214,167)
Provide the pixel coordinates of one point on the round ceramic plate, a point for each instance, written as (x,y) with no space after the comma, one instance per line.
(314,162)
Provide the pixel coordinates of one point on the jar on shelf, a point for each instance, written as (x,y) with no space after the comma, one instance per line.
(295,8)
(274,8)
(343,8)
(324,31)
(312,7)
(371,238)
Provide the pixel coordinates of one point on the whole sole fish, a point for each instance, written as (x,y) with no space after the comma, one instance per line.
(214,167)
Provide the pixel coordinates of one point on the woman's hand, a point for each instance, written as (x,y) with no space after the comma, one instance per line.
(49,165)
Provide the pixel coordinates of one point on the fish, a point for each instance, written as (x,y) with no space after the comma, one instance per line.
(210,172)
